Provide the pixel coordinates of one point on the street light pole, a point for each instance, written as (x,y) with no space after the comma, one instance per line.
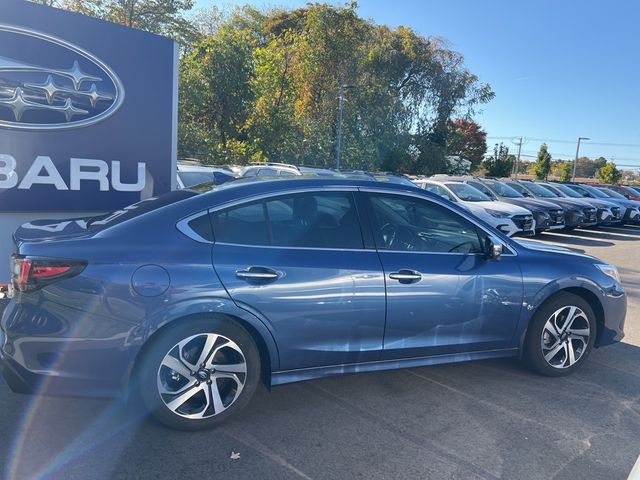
(341,101)
(575,163)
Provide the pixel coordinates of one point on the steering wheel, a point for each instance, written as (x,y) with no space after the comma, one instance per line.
(389,234)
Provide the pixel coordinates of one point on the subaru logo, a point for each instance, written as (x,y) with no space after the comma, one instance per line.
(52,84)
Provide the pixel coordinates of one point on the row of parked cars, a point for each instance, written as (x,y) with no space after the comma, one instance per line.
(515,207)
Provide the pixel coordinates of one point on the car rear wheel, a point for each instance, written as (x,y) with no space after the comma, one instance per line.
(198,373)
(561,335)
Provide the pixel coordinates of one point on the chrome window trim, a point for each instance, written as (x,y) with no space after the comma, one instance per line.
(277,193)
(512,250)
(185,229)
(229,244)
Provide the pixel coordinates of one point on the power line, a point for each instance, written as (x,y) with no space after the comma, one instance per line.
(549,140)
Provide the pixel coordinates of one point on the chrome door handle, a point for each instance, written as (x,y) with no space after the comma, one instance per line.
(257,273)
(406,276)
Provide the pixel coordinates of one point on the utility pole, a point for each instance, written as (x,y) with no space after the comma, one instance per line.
(575,163)
(518,157)
(341,101)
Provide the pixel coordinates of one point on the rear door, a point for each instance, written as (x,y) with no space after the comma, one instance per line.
(298,261)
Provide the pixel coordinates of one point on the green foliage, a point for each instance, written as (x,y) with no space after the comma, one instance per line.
(543,163)
(500,164)
(565,171)
(165,17)
(609,174)
(283,102)
(587,168)
(263,84)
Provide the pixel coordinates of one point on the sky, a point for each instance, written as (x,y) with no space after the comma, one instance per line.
(560,69)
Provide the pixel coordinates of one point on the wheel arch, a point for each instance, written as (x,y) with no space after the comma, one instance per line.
(269,359)
(580,291)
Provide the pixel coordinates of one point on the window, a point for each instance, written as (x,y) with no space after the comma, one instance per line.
(438,190)
(312,220)
(411,224)
(245,224)
(467,193)
(267,172)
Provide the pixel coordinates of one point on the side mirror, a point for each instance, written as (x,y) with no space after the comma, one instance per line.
(492,247)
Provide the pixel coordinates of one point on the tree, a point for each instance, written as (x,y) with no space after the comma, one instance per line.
(587,168)
(565,171)
(164,17)
(609,174)
(543,163)
(467,140)
(500,164)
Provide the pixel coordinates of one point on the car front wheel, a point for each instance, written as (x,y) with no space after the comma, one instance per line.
(198,373)
(561,335)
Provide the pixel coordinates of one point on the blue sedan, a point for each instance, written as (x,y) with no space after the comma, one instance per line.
(191,300)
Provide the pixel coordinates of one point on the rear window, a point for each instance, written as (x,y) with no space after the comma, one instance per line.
(310,220)
(127,213)
(189,179)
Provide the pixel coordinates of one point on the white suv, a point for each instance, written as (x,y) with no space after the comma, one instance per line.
(509,219)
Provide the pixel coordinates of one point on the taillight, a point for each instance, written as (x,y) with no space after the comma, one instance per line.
(33,273)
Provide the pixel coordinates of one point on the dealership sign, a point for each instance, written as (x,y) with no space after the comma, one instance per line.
(87,111)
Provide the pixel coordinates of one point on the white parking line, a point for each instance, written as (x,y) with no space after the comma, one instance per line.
(635,471)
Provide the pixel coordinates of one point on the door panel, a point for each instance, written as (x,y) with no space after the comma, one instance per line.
(299,261)
(456,299)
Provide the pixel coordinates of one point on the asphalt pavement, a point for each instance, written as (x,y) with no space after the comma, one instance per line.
(489,419)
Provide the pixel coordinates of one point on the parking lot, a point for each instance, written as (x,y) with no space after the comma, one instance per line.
(490,419)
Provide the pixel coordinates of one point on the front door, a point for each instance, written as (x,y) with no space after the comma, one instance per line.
(443,294)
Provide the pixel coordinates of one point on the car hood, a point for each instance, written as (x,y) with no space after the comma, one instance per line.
(544,247)
(502,207)
(571,202)
(531,204)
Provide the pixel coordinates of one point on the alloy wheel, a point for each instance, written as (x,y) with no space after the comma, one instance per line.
(565,337)
(201,376)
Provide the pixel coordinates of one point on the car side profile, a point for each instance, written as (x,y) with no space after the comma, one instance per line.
(192,300)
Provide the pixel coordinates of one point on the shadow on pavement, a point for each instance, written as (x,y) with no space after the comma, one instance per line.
(490,419)
(572,239)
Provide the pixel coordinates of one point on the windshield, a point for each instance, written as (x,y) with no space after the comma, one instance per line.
(540,191)
(501,189)
(467,193)
(195,178)
(595,192)
(611,193)
(569,192)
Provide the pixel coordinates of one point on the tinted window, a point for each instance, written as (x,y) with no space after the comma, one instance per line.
(245,225)
(540,191)
(320,220)
(483,188)
(313,220)
(569,192)
(286,173)
(468,193)
(502,189)
(412,224)
(267,172)
(190,179)
(222,177)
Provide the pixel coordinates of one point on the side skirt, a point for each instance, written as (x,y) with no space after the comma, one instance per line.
(291,376)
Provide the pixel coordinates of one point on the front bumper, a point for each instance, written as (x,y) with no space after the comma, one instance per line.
(614,305)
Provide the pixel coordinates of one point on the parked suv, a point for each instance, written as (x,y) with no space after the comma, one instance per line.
(632,213)
(509,219)
(547,215)
(577,213)
(287,280)
(617,208)
(625,190)
(274,169)
(191,174)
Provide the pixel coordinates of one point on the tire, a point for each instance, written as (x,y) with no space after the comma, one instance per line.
(548,333)
(179,390)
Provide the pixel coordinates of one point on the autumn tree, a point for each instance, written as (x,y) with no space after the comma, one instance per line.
(467,139)
(543,163)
